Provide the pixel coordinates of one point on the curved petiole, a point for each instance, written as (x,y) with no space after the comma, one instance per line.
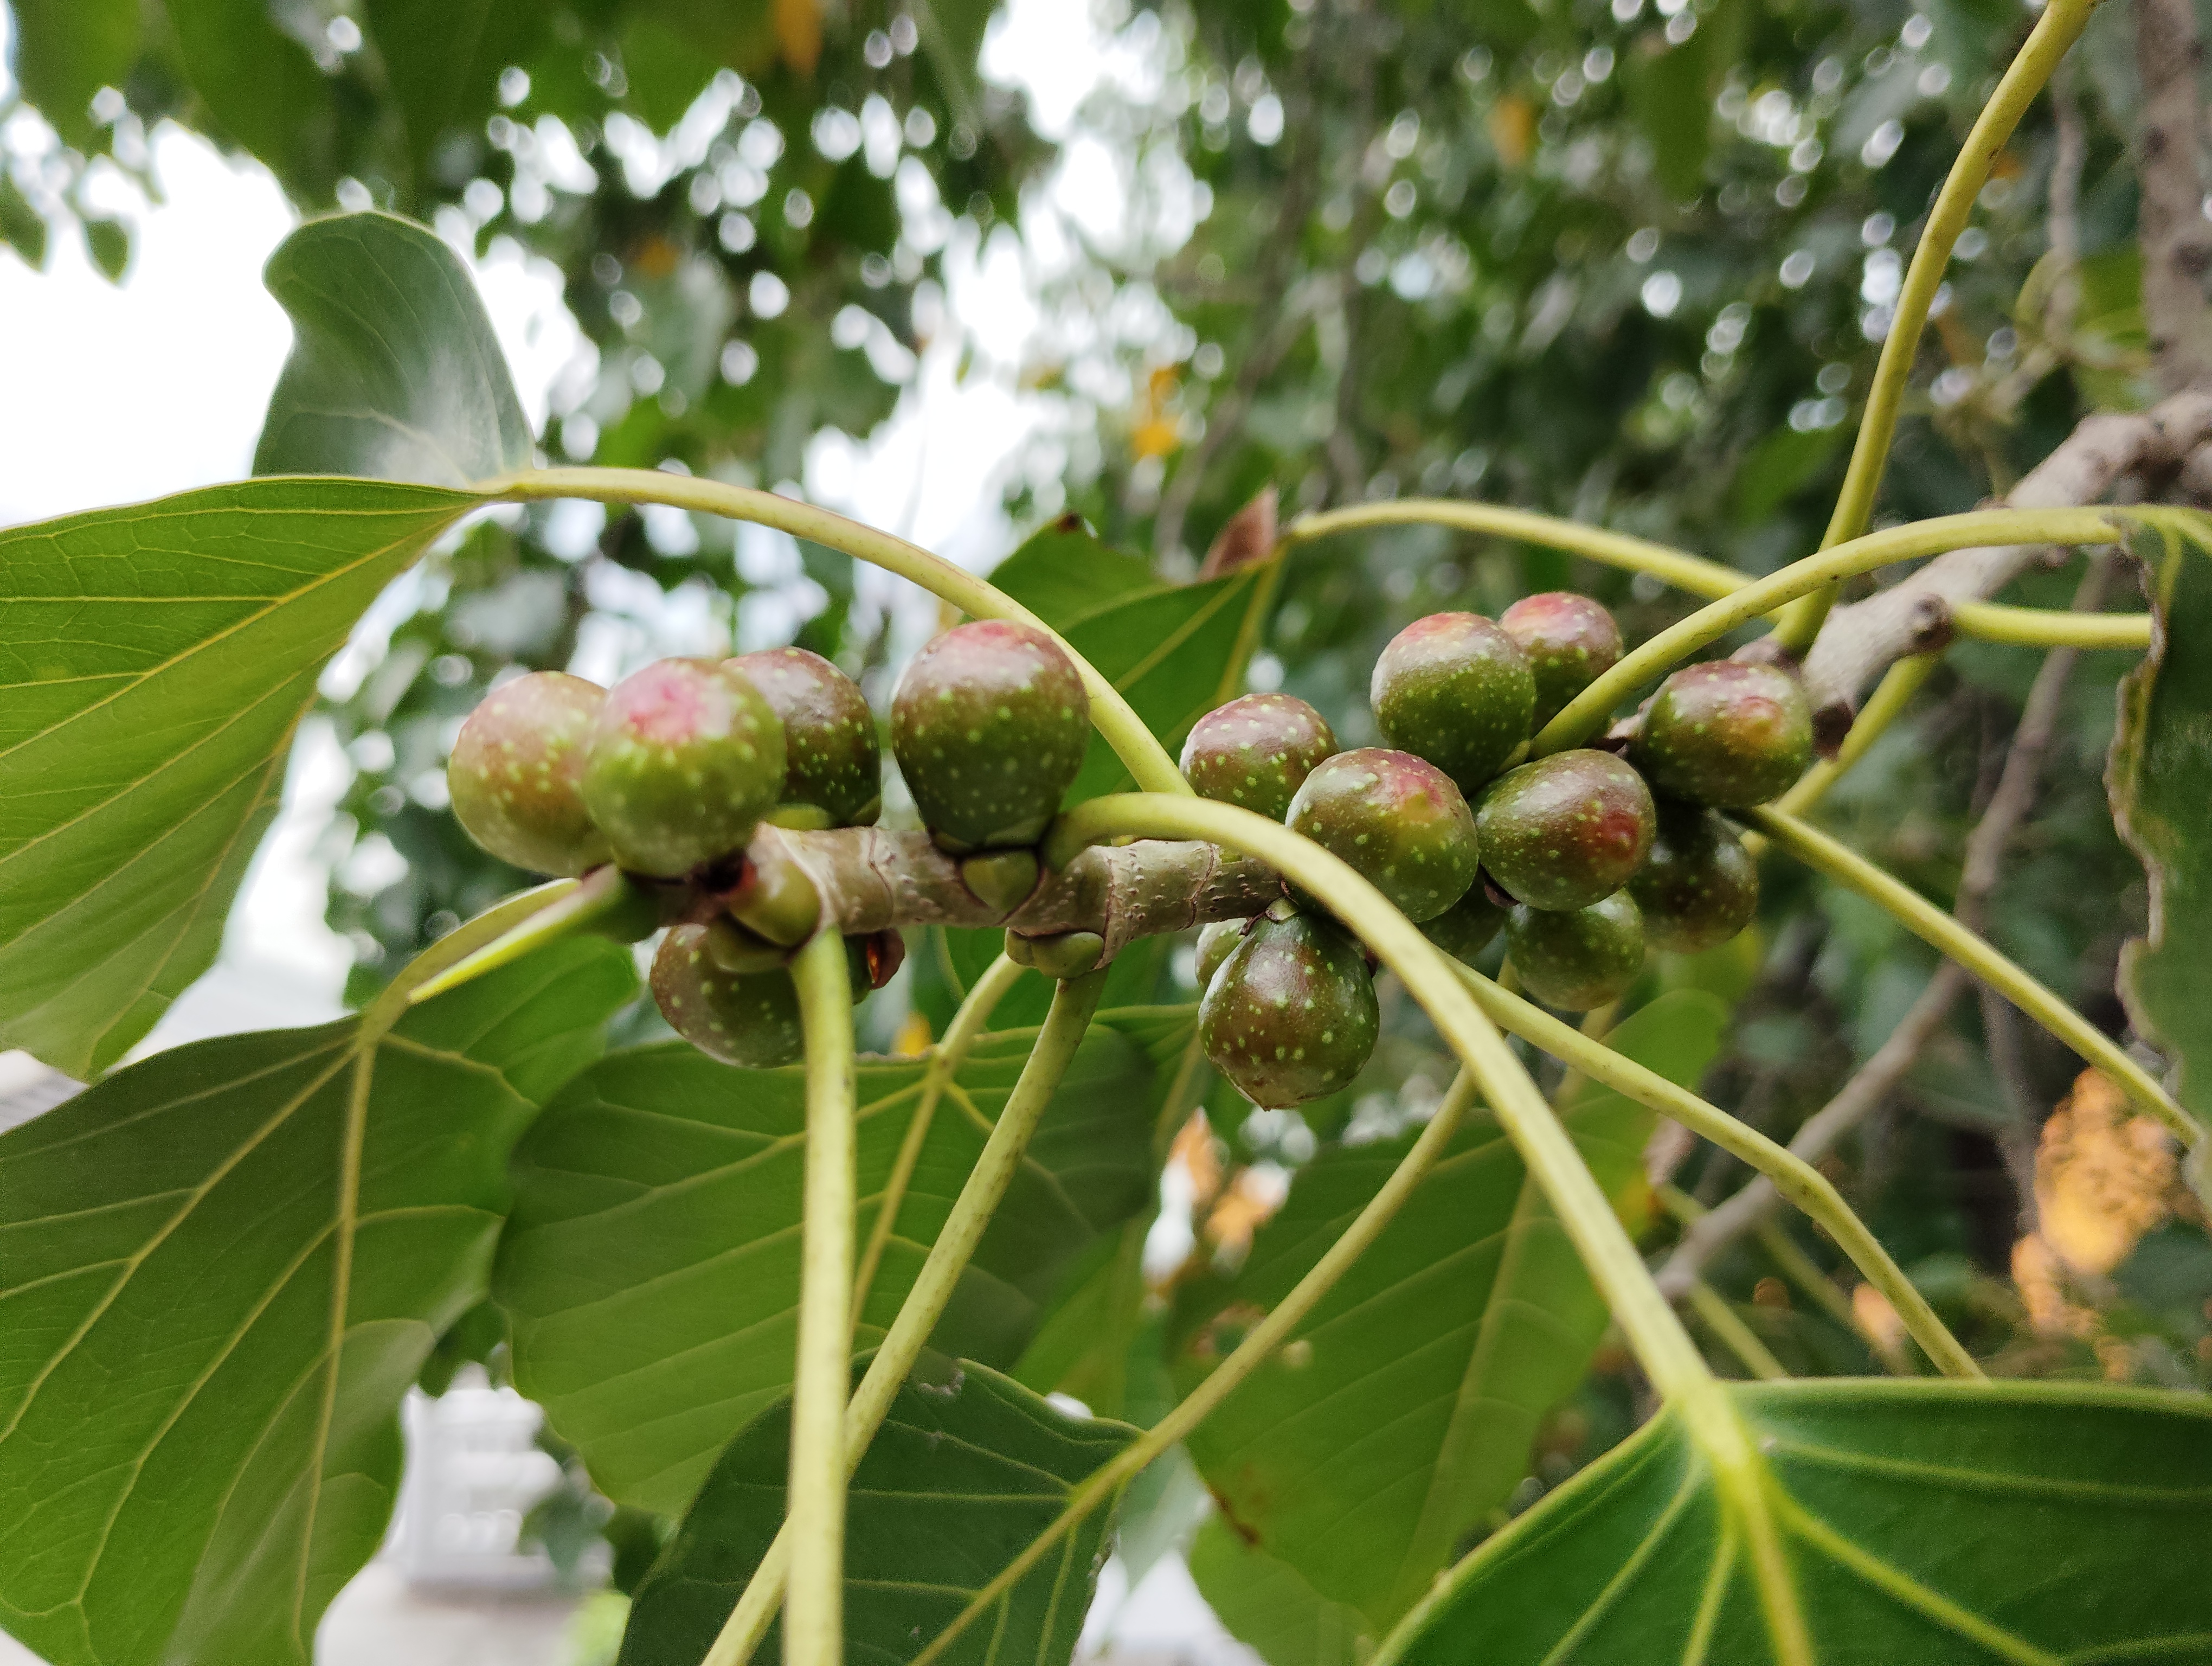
(815,1510)
(1145,759)
(1933,927)
(1589,710)
(1073,1003)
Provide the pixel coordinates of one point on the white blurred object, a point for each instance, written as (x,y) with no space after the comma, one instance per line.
(473,1472)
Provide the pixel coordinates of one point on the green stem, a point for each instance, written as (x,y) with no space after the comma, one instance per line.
(1073,1003)
(1737,1337)
(2055,32)
(2047,627)
(1676,567)
(457,948)
(1798,1181)
(1933,926)
(815,1515)
(563,907)
(944,1061)
(1146,761)
(1247,1357)
(1589,710)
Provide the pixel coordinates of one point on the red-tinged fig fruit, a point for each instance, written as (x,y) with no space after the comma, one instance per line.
(1728,732)
(685,759)
(1569,639)
(748,1019)
(1400,821)
(989,726)
(832,756)
(1468,928)
(1699,886)
(1566,831)
(1214,943)
(1457,690)
(1256,751)
(1291,1014)
(1579,960)
(517,773)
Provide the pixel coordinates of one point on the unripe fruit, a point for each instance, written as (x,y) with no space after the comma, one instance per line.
(990,726)
(1699,886)
(1566,831)
(685,759)
(1578,960)
(1256,751)
(1291,1014)
(832,756)
(1465,929)
(748,1019)
(516,775)
(1727,732)
(1399,821)
(1570,641)
(1214,944)
(1457,690)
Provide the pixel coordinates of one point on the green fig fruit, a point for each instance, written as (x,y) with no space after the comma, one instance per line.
(1400,821)
(748,1019)
(517,773)
(1466,928)
(1256,751)
(1570,641)
(1579,960)
(685,759)
(832,754)
(1727,732)
(1455,690)
(1566,831)
(989,726)
(1699,886)
(1291,1014)
(1214,943)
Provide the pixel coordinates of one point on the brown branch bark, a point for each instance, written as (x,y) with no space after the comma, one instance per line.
(2176,241)
(872,878)
(1862,639)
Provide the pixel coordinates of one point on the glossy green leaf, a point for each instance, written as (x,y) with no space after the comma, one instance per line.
(1937,1523)
(395,372)
(1400,1416)
(68,50)
(1174,651)
(443,58)
(220,1270)
(2160,780)
(1267,1607)
(651,1268)
(152,662)
(963,1474)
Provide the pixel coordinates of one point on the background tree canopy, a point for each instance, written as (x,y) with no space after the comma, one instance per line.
(1627,262)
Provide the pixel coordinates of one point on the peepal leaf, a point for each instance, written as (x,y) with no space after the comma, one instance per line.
(960,1478)
(2160,781)
(1176,651)
(1400,1416)
(1942,1523)
(395,373)
(68,50)
(154,660)
(651,1266)
(220,1270)
(1266,1605)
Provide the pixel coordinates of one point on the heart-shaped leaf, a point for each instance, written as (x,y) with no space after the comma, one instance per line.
(220,1270)
(1938,1523)
(960,1478)
(651,1268)
(2160,780)
(1400,1416)
(395,373)
(154,660)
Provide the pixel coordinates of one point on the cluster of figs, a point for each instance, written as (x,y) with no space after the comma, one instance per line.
(1583,859)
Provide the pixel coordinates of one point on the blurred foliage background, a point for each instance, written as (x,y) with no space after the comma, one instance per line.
(1625,260)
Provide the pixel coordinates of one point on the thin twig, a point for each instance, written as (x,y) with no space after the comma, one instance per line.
(2176,242)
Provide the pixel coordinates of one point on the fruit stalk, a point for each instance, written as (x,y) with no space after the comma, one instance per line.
(1072,1004)
(815,1512)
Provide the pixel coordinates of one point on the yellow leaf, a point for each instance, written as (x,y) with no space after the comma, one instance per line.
(798,33)
(1512,123)
(1155,436)
(2103,1178)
